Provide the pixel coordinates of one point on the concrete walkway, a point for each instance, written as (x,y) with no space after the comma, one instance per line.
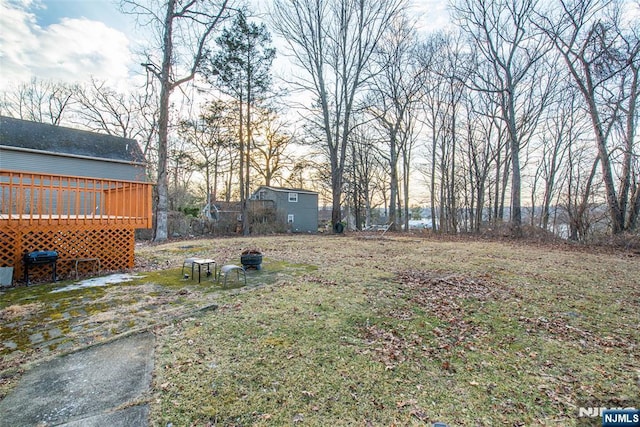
(102,385)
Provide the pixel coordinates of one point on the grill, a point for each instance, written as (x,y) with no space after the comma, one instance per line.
(35,258)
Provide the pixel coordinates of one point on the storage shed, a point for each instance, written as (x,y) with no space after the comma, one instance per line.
(81,194)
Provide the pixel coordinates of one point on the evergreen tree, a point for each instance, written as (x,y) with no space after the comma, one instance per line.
(242,66)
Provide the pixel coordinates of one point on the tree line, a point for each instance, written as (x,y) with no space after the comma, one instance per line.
(522,113)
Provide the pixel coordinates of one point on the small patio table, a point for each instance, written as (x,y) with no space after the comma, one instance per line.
(200,262)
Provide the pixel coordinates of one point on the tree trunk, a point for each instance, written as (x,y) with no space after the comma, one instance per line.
(162,206)
(634,209)
(630,133)
(516,209)
(496,202)
(247,165)
(393,183)
(505,182)
(242,165)
(516,205)
(434,225)
(617,216)
(336,187)
(549,186)
(453,203)
(406,182)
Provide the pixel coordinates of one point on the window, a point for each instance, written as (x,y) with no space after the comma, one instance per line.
(262,195)
(293,197)
(290,218)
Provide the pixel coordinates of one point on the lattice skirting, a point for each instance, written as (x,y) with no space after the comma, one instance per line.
(113,246)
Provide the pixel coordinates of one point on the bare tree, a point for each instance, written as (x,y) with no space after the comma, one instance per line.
(562,129)
(334,41)
(181,165)
(211,135)
(481,153)
(271,143)
(442,59)
(134,115)
(603,62)
(100,108)
(42,101)
(184,29)
(363,172)
(629,198)
(508,49)
(581,173)
(395,93)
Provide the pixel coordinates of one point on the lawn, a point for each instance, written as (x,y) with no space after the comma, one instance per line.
(405,331)
(357,330)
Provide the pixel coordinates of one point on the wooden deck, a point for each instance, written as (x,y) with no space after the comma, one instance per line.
(78,217)
(71,220)
(31,198)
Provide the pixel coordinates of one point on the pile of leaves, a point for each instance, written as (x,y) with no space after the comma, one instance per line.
(437,289)
(388,346)
(562,331)
(442,297)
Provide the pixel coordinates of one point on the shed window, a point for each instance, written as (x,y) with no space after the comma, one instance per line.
(293,197)
(290,218)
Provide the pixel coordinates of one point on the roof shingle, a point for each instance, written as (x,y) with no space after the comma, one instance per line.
(62,140)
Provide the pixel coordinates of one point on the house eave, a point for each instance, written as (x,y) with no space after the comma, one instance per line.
(286,190)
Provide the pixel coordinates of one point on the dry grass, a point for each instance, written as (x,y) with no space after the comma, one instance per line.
(403,330)
(348,330)
(16,311)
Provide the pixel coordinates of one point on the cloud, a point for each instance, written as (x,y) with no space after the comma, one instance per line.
(433,15)
(70,50)
(16,39)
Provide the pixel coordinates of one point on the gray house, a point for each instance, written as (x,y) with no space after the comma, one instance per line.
(298,208)
(42,148)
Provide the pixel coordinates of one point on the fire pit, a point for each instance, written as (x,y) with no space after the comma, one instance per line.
(251,258)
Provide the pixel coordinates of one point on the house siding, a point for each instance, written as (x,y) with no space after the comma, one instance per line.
(305,210)
(28,161)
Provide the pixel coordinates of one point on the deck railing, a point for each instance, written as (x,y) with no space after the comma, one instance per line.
(50,199)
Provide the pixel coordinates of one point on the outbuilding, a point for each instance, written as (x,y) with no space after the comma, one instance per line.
(297,208)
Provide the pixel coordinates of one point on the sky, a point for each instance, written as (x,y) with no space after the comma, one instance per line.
(72,40)
(66,40)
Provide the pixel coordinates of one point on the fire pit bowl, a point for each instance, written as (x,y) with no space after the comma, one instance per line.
(251,258)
